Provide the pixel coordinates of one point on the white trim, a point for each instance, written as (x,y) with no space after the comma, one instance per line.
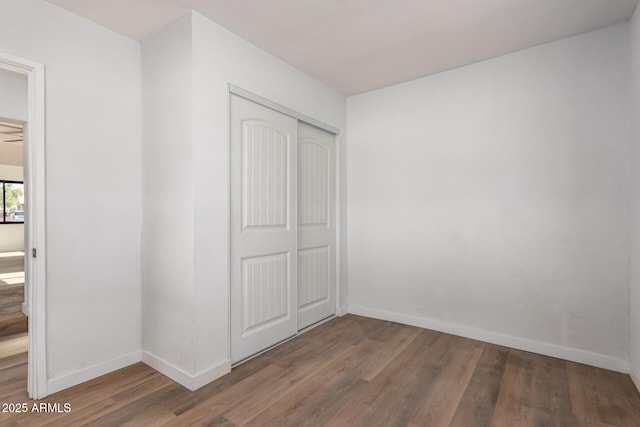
(547,349)
(79,376)
(633,373)
(210,374)
(342,310)
(282,109)
(337,144)
(191,382)
(229,165)
(35,268)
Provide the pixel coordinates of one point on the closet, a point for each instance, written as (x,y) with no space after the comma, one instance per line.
(283,226)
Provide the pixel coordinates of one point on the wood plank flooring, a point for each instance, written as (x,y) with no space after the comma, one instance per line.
(351,371)
(12,293)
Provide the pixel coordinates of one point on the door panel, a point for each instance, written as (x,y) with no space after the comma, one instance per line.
(313,182)
(265,176)
(263,227)
(265,291)
(313,265)
(316,226)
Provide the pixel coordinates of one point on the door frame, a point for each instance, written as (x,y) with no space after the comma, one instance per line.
(235,90)
(35,224)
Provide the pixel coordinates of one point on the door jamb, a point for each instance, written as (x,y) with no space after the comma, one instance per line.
(35,266)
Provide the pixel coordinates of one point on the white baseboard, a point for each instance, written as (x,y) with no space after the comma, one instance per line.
(25,309)
(633,373)
(211,374)
(192,382)
(70,379)
(547,349)
(342,310)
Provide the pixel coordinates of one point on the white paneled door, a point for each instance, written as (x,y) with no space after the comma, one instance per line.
(264,255)
(316,225)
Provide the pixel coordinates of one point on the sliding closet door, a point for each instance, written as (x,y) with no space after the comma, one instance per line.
(263,228)
(316,225)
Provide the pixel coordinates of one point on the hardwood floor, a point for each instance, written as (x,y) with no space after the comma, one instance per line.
(351,371)
(12,320)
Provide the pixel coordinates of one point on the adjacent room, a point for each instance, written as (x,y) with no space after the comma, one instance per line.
(13,319)
(340,212)
(13,323)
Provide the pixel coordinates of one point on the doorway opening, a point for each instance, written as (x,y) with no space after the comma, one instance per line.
(13,319)
(22,199)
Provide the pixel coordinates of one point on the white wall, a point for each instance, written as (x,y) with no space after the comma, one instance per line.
(220,58)
(93,186)
(13,106)
(13,96)
(11,235)
(168,219)
(11,172)
(195,288)
(492,200)
(634,283)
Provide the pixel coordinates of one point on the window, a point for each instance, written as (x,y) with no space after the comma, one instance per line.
(12,202)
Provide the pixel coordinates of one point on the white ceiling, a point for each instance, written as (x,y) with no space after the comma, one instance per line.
(359,45)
